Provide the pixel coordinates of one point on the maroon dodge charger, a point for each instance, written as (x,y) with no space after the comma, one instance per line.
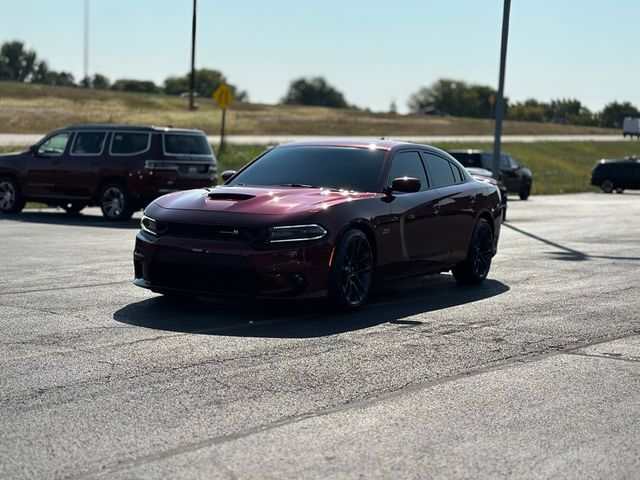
(322,218)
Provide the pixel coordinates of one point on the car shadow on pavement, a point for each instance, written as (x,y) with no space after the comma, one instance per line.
(391,303)
(53,217)
(566,253)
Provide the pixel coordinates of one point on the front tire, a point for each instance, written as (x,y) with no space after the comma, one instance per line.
(525,192)
(607,186)
(11,199)
(115,202)
(475,267)
(351,274)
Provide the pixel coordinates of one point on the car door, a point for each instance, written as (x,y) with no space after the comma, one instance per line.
(455,207)
(635,180)
(416,245)
(42,166)
(80,168)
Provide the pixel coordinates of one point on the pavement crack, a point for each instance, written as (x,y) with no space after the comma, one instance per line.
(606,356)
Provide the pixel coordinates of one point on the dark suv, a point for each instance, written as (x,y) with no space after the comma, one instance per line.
(121,168)
(616,175)
(514,176)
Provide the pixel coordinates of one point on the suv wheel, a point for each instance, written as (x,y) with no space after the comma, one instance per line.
(11,199)
(475,267)
(607,186)
(525,192)
(115,202)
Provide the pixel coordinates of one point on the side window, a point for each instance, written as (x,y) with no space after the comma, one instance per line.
(55,145)
(439,171)
(125,143)
(88,143)
(408,164)
(457,174)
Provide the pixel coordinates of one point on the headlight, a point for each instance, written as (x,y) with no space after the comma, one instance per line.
(295,233)
(149,225)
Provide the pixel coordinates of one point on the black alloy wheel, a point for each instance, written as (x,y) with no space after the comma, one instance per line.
(11,199)
(115,202)
(73,208)
(352,271)
(607,186)
(475,267)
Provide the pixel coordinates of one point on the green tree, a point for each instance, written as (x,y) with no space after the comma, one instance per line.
(314,91)
(206,82)
(614,113)
(16,63)
(456,98)
(131,85)
(100,82)
(529,111)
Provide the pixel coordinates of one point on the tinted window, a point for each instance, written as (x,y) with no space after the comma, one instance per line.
(88,143)
(468,159)
(178,144)
(507,162)
(408,164)
(333,167)
(124,143)
(457,174)
(440,171)
(54,145)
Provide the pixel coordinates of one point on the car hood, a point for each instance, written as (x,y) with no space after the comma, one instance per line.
(258,200)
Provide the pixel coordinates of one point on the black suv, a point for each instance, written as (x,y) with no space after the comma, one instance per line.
(121,168)
(616,175)
(515,177)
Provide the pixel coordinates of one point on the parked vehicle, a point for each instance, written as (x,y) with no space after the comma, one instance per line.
(631,127)
(516,178)
(485,175)
(616,175)
(121,168)
(323,218)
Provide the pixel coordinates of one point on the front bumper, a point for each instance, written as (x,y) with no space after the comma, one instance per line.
(230,268)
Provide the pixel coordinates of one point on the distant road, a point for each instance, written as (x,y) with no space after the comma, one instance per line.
(20,139)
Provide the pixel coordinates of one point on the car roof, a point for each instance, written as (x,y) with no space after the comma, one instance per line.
(380,144)
(136,128)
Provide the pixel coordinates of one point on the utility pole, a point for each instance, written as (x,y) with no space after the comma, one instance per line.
(500,96)
(86,44)
(192,83)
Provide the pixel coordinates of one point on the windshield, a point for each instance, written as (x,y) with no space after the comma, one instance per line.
(332,167)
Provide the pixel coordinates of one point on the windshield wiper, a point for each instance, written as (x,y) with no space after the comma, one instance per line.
(298,185)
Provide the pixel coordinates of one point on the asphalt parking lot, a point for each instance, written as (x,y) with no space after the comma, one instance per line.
(535,373)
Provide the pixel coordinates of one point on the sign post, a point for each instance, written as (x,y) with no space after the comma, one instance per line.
(223,97)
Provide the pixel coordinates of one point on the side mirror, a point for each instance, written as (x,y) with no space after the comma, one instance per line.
(226,175)
(404,185)
(33,149)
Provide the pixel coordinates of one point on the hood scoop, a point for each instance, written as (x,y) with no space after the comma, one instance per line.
(229,196)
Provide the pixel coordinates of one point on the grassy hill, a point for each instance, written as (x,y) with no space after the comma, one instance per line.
(28,108)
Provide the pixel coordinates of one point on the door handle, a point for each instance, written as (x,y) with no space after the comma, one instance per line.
(436,208)
(55,162)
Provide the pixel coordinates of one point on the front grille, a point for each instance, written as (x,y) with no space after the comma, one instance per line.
(212,232)
(204,272)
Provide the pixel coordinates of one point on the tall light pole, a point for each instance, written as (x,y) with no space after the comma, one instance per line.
(86,44)
(500,96)
(192,83)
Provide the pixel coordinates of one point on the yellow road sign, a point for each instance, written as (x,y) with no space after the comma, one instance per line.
(223,95)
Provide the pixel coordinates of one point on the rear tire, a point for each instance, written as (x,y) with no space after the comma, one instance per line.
(11,199)
(475,267)
(115,202)
(525,192)
(607,186)
(352,271)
